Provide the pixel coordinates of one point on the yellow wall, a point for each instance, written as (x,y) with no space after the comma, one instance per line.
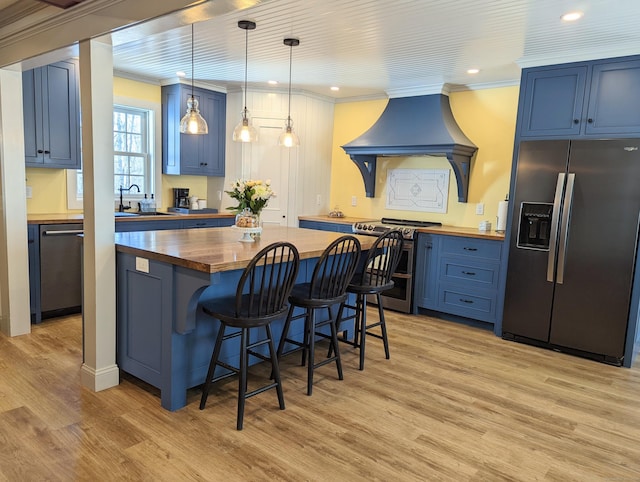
(49,186)
(49,190)
(487,117)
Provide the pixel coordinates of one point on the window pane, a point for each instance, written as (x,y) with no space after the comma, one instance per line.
(119,141)
(134,123)
(119,181)
(79,183)
(136,165)
(119,121)
(134,143)
(120,165)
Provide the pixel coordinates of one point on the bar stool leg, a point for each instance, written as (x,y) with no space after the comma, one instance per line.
(212,367)
(383,326)
(242,384)
(363,329)
(310,342)
(275,367)
(334,342)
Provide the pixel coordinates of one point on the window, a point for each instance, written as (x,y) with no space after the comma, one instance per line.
(134,138)
(130,149)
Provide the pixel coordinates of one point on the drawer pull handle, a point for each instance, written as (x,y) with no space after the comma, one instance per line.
(470,273)
(470,249)
(466,301)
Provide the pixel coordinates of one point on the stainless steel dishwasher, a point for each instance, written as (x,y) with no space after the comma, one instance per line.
(60,269)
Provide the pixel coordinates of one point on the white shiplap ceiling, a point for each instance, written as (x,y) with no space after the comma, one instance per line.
(376,47)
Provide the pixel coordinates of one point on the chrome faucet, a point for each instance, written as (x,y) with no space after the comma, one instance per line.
(128,189)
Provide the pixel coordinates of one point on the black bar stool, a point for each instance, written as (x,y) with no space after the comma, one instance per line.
(261,297)
(327,288)
(374,278)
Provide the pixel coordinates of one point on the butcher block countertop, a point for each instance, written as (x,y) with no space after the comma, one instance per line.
(64,218)
(445,230)
(213,250)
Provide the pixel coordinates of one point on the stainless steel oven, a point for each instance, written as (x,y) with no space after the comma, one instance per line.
(398,298)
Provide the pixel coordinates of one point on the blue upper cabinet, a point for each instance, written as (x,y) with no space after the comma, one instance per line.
(199,155)
(614,100)
(585,99)
(553,101)
(51,103)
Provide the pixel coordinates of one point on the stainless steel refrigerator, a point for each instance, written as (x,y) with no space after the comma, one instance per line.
(573,246)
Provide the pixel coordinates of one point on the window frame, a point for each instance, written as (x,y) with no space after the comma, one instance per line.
(74,201)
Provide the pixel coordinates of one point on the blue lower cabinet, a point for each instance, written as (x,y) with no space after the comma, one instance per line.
(129,226)
(458,275)
(326,226)
(207,223)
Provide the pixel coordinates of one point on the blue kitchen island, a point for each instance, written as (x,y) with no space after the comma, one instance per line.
(163,338)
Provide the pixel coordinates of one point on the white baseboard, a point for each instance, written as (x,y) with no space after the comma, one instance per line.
(101,379)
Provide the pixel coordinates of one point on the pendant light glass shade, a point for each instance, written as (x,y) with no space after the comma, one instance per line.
(193,122)
(244,131)
(288,137)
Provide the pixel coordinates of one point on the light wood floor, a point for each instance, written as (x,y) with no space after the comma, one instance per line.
(453,403)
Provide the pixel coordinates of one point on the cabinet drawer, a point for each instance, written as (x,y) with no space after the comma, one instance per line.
(479,248)
(474,274)
(475,304)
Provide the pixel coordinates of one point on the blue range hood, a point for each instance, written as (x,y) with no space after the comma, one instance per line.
(414,126)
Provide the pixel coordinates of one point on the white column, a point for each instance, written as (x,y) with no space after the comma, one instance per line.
(99,370)
(14,260)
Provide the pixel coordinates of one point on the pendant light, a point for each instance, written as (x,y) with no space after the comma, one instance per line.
(288,138)
(244,131)
(193,122)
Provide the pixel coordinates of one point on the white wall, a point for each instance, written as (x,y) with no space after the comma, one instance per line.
(310,168)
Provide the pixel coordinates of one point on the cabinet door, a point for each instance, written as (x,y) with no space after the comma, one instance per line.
(553,102)
(60,111)
(614,100)
(51,116)
(32,112)
(214,107)
(199,155)
(425,275)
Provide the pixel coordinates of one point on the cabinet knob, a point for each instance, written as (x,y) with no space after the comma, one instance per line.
(590,120)
(466,301)
(470,249)
(47,152)
(40,151)
(576,121)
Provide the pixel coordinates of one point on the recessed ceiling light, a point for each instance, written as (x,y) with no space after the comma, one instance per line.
(335,89)
(571,16)
(473,71)
(272,82)
(180,73)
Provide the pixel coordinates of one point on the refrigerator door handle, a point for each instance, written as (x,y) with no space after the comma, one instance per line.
(553,237)
(564,231)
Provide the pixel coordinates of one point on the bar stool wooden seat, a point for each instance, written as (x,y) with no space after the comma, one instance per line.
(261,297)
(327,288)
(372,279)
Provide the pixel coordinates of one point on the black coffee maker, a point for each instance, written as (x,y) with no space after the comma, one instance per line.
(181,197)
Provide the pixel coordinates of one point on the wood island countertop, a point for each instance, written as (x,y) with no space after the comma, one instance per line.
(63,218)
(213,250)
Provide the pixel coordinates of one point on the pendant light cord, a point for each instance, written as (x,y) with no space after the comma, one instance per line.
(192,63)
(290,65)
(246,63)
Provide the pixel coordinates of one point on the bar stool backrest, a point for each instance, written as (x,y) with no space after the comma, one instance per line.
(382,259)
(265,284)
(335,268)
